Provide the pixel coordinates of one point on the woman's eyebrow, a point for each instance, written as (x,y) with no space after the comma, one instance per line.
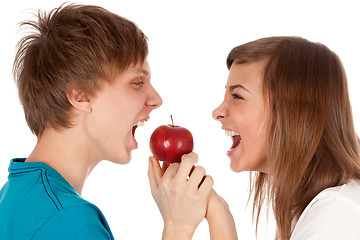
(233,87)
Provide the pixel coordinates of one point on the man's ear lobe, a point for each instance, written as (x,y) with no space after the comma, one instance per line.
(79,99)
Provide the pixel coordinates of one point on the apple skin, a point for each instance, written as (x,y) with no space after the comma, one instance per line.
(168,143)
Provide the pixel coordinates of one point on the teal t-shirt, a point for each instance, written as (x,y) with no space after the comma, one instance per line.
(38,203)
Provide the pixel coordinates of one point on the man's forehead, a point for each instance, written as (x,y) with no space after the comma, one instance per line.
(141,68)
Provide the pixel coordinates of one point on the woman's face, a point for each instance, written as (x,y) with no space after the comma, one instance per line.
(243,115)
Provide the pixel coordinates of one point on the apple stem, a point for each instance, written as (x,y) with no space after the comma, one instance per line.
(172,120)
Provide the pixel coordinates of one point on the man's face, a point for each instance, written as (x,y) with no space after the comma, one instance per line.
(116,109)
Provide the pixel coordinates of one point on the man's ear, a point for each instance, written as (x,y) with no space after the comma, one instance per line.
(79,99)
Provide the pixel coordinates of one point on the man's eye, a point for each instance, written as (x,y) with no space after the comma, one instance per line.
(139,83)
(235,96)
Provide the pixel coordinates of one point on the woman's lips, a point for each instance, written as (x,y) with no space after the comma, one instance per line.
(236,141)
(236,138)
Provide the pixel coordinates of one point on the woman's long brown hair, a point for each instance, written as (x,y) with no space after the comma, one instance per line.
(312,142)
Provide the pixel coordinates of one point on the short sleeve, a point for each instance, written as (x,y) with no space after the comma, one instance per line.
(81,223)
(330,217)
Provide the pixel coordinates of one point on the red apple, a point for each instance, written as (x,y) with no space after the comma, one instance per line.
(169,142)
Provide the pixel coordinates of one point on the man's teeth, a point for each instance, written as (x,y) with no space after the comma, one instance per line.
(140,123)
(231,133)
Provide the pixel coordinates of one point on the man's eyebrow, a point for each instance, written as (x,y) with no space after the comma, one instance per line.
(143,71)
(233,87)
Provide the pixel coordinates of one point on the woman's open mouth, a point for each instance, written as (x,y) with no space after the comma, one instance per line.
(236,138)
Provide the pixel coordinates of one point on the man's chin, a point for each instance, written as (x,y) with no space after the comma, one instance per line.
(124,158)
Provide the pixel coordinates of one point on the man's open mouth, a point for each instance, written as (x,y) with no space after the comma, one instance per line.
(138,124)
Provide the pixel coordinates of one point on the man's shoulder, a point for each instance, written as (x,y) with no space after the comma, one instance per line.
(78,219)
(47,206)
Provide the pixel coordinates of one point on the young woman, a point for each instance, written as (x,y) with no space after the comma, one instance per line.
(287,109)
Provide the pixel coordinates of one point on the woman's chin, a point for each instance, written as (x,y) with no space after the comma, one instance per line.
(236,161)
(235,164)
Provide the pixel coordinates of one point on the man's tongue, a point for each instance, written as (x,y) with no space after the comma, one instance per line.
(133,129)
(133,141)
(236,141)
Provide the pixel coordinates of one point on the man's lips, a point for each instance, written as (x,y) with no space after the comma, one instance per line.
(140,123)
(133,130)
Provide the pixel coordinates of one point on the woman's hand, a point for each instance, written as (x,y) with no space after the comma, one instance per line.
(220,220)
(181,192)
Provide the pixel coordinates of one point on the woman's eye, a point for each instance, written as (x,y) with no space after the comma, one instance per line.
(235,96)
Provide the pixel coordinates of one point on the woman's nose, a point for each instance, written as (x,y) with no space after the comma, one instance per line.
(219,113)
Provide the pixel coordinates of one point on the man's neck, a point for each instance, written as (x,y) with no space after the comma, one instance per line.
(68,153)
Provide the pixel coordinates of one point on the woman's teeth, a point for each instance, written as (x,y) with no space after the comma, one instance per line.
(231,133)
(235,138)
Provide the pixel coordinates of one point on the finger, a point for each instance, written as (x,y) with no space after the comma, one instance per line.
(171,171)
(191,170)
(152,179)
(206,185)
(202,180)
(156,169)
(197,176)
(187,162)
(165,165)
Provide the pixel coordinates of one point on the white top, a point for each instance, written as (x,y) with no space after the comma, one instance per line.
(333,214)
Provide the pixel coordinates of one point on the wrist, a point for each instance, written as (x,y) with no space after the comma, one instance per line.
(217,210)
(219,217)
(222,225)
(177,232)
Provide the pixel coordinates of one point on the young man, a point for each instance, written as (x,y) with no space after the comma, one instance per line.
(84,83)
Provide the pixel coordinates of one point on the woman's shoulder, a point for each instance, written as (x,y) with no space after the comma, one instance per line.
(333,214)
(347,192)
(335,201)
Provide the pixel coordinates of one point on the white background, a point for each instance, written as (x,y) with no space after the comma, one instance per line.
(189,42)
